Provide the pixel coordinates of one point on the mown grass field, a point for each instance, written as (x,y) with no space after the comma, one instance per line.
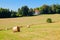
(39,29)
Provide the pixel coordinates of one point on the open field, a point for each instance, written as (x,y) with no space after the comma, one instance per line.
(39,29)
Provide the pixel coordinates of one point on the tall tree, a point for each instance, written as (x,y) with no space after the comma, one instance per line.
(31,12)
(25,10)
(53,7)
(44,9)
(19,12)
(13,13)
(4,13)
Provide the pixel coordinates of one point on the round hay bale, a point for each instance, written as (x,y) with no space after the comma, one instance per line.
(28,26)
(16,29)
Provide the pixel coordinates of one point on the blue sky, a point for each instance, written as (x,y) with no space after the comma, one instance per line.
(15,4)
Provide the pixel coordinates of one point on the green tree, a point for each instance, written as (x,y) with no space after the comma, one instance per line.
(4,13)
(53,7)
(13,13)
(31,12)
(57,8)
(25,10)
(19,12)
(45,9)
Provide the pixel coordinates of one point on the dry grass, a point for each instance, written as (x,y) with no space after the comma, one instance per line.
(39,29)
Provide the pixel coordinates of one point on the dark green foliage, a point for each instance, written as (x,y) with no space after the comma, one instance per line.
(57,10)
(25,11)
(44,9)
(13,13)
(19,13)
(4,13)
(31,12)
(49,20)
(52,9)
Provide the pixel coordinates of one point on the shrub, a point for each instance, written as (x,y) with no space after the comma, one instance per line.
(49,20)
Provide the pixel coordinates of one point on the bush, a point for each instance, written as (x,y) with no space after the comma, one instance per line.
(49,20)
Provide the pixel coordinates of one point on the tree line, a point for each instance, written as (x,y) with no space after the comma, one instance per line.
(26,11)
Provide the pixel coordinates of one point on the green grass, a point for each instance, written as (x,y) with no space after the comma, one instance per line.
(39,29)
